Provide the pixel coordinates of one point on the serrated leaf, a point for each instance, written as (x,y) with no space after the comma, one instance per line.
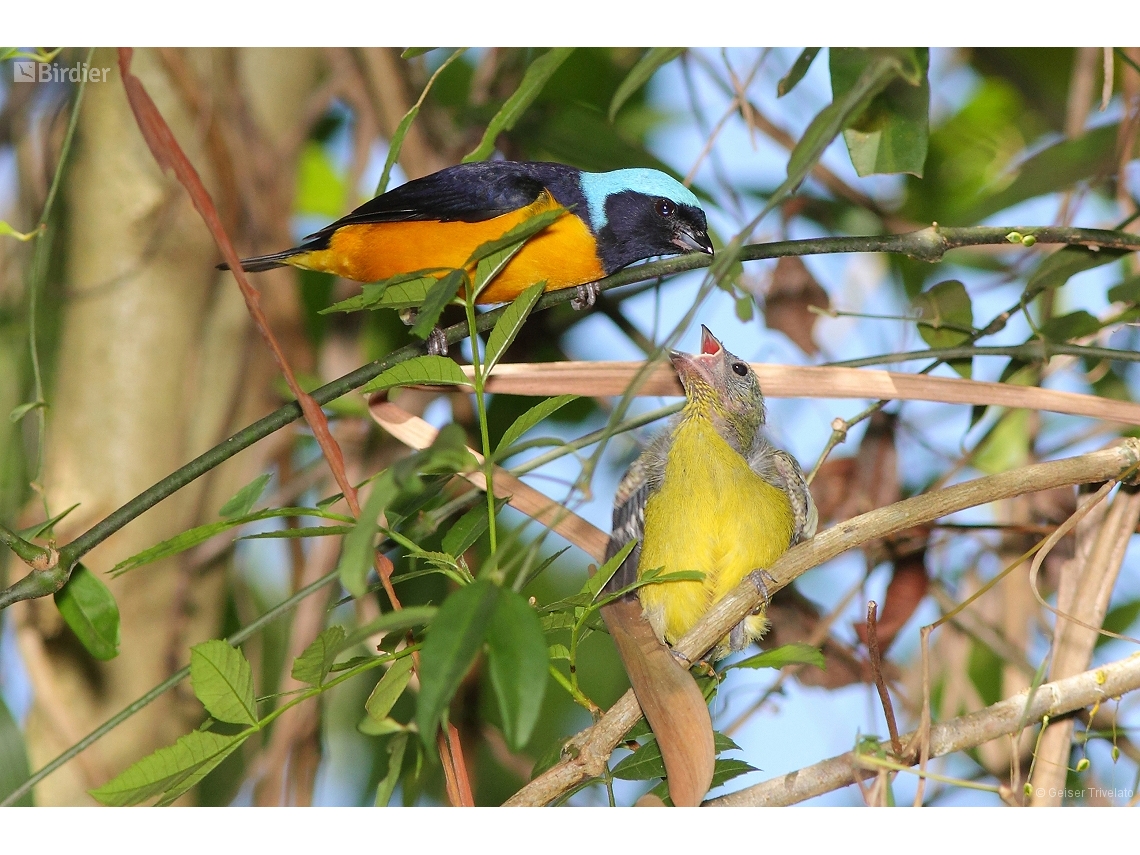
(532,417)
(946,303)
(796,73)
(509,324)
(223,681)
(356,556)
(639,75)
(245,498)
(389,688)
(34,531)
(891,133)
(644,764)
(306,531)
(595,583)
(89,608)
(797,653)
(396,746)
(449,648)
(424,370)
(314,664)
(517,660)
(402,291)
(467,529)
(559,651)
(537,75)
(200,534)
(436,300)
(169,771)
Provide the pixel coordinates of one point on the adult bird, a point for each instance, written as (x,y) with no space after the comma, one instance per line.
(615,219)
(710,493)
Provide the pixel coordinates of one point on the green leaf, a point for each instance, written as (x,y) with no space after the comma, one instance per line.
(90,610)
(796,73)
(946,303)
(518,662)
(1127,291)
(321,189)
(532,417)
(436,300)
(387,786)
(891,133)
(832,119)
(245,498)
(645,763)
(449,648)
(595,583)
(389,688)
(314,664)
(6,230)
(1065,263)
(412,52)
(356,554)
(169,771)
(467,529)
(188,539)
(22,410)
(509,324)
(398,620)
(533,82)
(13,758)
(639,75)
(403,291)
(223,682)
(426,370)
(789,654)
(1118,620)
(1052,169)
(1071,326)
(34,531)
(306,531)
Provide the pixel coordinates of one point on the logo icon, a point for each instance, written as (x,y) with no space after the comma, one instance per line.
(24,71)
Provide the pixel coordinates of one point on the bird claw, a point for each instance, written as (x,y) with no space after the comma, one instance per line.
(587,295)
(761,579)
(437,342)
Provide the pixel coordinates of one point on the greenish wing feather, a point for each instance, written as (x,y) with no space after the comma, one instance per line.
(781,470)
(641,479)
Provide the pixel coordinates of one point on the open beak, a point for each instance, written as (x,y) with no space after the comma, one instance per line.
(698,366)
(691,240)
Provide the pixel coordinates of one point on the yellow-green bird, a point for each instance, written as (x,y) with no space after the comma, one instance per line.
(709,493)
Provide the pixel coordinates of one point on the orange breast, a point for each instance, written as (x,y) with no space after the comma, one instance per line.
(563,254)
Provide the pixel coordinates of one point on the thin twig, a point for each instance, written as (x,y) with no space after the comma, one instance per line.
(876,660)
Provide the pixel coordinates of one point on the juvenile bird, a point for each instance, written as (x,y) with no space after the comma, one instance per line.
(709,493)
(615,219)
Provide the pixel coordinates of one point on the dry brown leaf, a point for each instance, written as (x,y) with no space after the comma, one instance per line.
(786,306)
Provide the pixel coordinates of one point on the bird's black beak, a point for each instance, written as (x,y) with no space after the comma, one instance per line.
(692,240)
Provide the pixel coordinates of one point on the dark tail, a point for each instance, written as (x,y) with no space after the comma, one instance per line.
(264,262)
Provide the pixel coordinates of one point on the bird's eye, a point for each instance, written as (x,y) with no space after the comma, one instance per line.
(666,208)
(739,368)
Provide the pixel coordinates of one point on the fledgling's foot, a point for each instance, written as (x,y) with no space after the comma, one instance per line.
(587,295)
(762,579)
(437,342)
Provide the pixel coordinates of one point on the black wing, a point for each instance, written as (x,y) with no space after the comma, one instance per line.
(628,524)
(469,192)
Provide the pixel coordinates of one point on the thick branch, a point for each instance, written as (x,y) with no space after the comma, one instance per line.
(1003,718)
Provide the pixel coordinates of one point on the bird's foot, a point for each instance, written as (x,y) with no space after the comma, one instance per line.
(437,342)
(587,295)
(762,579)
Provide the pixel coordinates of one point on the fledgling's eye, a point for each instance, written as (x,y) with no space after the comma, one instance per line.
(666,208)
(740,369)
